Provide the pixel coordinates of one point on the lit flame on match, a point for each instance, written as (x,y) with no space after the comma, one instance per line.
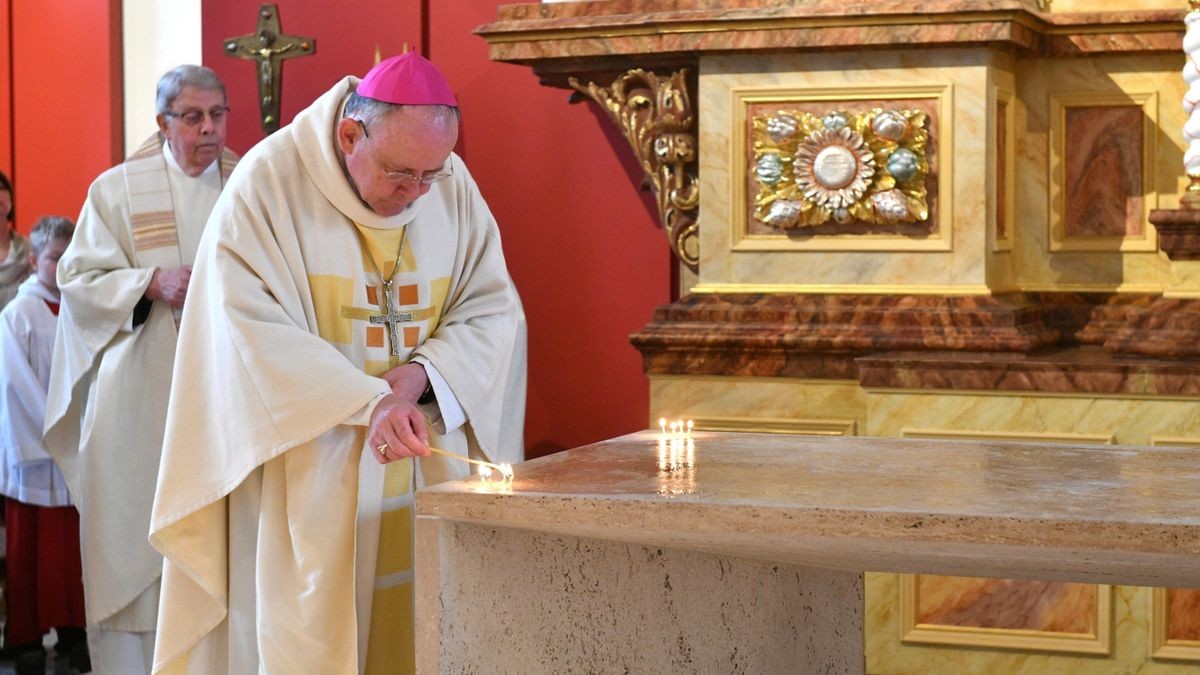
(505,470)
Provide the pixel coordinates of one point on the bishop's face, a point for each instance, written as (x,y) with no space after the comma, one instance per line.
(195,128)
(393,162)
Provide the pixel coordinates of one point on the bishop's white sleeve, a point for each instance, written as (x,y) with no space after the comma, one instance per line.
(453,415)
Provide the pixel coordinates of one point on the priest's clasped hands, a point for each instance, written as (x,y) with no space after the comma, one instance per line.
(397,427)
(170,285)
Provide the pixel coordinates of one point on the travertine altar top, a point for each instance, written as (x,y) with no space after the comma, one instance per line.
(970,508)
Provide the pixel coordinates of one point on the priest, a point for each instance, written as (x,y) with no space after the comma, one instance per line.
(124,279)
(350,307)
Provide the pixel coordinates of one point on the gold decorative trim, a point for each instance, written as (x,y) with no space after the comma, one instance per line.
(1181,295)
(1026,395)
(750,379)
(850,289)
(1059,103)
(912,632)
(1001,244)
(1161,646)
(1175,441)
(740,167)
(1033,436)
(1082,288)
(779,425)
(655,115)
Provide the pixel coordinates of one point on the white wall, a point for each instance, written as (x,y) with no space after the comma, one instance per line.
(157,36)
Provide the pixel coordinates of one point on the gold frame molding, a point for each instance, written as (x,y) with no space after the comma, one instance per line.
(1161,647)
(1033,436)
(779,425)
(1056,190)
(742,240)
(1008,98)
(912,632)
(849,289)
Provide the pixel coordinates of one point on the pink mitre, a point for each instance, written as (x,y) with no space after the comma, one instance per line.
(408,79)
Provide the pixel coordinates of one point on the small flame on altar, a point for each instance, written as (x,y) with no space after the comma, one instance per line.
(487,476)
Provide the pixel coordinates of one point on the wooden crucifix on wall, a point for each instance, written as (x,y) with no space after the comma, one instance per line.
(268,46)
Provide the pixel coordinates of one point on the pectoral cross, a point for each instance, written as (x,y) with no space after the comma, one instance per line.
(392,318)
(269,47)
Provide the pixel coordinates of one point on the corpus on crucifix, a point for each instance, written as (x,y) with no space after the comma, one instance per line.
(269,47)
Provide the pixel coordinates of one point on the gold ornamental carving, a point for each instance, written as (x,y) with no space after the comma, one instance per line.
(655,115)
(867,167)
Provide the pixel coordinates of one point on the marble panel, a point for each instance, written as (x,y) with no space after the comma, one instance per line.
(1011,604)
(543,32)
(1001,172)
(1104,157)
(821,335)
(961,76)
(887,655)
(762,403)
(1039,81)
(1074,6)
(1086,370)
(1126,420)
(1183,615)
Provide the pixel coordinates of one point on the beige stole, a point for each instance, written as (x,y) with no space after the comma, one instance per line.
(151,208)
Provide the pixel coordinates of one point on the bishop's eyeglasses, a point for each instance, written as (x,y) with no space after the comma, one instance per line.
(406,176)
(195,116)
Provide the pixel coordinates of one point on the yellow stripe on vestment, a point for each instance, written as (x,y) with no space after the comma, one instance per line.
(392,650)
(330,293)
(390,645)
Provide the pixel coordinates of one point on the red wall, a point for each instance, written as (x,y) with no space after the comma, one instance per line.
(5,89)
(65,121)
(581,241)
(346,35)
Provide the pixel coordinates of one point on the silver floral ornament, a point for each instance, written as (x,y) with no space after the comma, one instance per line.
(890,125)
(833,168)
(769,169)
(781,127)
(783,213)
(903,164)
(835,120)
(890,205)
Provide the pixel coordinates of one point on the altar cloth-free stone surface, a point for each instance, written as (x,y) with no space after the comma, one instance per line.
(1106,514)
(600,549)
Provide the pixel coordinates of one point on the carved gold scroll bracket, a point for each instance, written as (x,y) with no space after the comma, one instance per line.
(655,115)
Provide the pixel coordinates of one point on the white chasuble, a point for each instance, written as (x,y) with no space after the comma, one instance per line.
(282,537)
(110,379)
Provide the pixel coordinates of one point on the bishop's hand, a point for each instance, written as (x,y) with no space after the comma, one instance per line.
(408,381)
(397,430)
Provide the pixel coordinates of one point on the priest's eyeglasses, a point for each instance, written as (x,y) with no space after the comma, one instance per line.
(406,176)
(194,117)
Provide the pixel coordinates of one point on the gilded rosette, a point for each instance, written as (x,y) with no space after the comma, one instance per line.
(865,167)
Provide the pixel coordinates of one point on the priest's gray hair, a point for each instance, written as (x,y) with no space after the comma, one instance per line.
(369,110)
(48,229)
(173,82)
